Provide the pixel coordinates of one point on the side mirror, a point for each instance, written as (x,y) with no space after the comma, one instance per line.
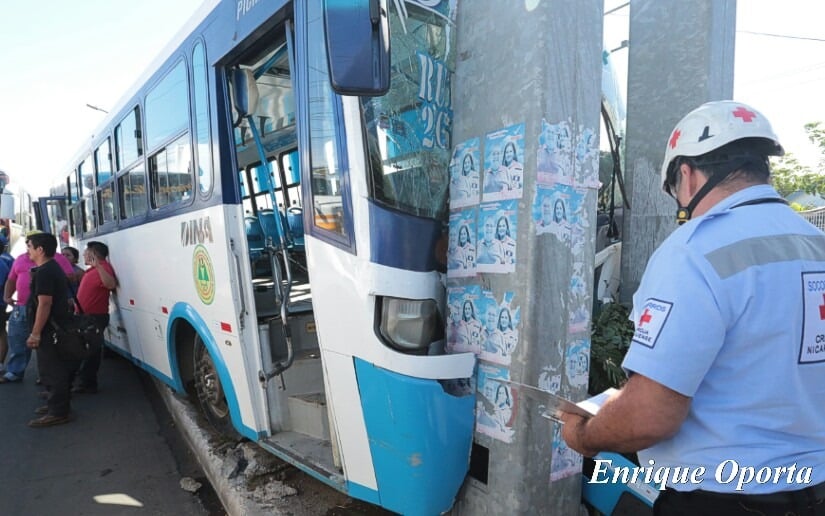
(358,46)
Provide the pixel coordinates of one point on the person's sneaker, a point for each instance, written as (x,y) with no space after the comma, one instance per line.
(84,390)
(9,378)
(42,411)
(49,420)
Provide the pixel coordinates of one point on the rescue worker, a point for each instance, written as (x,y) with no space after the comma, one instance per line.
(726,371)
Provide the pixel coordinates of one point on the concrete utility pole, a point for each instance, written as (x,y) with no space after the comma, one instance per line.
(681,55)
(529,74)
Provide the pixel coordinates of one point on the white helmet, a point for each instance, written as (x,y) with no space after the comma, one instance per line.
(715,124)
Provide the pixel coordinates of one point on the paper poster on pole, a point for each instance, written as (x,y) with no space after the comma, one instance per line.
(461,251)
(465,178)
(496,405)
(496,247)
(504,164)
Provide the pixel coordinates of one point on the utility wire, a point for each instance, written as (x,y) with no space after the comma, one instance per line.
(785,36)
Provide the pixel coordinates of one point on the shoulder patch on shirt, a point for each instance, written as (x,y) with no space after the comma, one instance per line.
(653,316)
(812,347)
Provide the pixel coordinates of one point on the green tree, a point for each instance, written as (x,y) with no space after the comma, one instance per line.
(790,176)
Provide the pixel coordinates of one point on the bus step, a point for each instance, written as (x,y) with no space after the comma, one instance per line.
(308,414)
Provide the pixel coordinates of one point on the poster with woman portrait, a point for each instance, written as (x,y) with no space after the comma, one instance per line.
(461,252)
(556,211)
(497,403)
(504,164)
(465,175)
(464,326)
(554,162)
(564,461)
(500,333)
(577,363)
(496,237)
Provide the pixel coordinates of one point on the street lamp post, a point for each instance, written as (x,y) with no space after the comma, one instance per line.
(96,108)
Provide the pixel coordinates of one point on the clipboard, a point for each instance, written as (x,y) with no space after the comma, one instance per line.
(552,404)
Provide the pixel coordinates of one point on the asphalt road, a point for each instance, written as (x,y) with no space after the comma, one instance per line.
(119,456)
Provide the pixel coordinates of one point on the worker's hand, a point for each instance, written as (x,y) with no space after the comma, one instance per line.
(572,431)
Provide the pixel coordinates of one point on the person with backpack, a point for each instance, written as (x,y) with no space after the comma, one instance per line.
(19,280)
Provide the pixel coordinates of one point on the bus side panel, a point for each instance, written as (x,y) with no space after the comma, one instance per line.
(344,401)
(414,429)
(187,259)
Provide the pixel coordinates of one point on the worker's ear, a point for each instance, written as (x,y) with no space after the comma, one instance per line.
(692,178)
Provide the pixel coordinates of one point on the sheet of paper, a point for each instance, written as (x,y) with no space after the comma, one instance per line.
(592,405)
(553,404)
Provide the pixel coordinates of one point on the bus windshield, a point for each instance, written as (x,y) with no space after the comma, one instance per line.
(408,129)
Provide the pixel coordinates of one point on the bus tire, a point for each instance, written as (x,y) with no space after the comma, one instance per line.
(209,391)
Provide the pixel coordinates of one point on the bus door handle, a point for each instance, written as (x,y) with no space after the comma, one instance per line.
(240,281)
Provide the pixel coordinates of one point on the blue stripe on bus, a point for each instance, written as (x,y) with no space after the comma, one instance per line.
(187,312)
(363,493)
(146,367)
(419,438)
(403,241)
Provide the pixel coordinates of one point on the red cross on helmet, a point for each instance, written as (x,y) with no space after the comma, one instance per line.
(714,124)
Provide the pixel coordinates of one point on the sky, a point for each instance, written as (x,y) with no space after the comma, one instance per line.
(59,56)
(776,70)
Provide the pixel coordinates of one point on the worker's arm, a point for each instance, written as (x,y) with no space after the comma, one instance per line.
(41,317)
(107,279)
(643,413)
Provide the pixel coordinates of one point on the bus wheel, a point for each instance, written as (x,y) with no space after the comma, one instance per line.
(209,391)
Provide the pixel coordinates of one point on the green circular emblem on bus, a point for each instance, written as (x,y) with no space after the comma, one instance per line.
(203,274)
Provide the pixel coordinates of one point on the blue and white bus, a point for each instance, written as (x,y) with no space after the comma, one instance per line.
(275,213)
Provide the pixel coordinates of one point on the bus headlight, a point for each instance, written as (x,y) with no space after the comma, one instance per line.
(409,325)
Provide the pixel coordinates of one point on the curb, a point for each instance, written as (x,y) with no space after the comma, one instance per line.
(235,501)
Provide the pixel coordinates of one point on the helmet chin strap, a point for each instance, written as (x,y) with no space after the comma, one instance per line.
(684,213)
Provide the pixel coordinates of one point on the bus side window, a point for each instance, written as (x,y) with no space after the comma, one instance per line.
(290,164)
(170,175)
(132,191)
(76,220)
(106,203)
(201,110)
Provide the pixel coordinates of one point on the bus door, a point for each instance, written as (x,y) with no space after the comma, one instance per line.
(266,146)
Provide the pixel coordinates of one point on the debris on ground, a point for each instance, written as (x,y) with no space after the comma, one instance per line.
(190,484)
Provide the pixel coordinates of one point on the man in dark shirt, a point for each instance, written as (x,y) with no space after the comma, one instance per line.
(49,303)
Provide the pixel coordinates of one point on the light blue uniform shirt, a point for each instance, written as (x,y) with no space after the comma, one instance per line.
(731,312)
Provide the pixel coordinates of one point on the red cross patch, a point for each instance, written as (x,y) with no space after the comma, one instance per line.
(674,138)
(812,345)
(651,321)
(745,114)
